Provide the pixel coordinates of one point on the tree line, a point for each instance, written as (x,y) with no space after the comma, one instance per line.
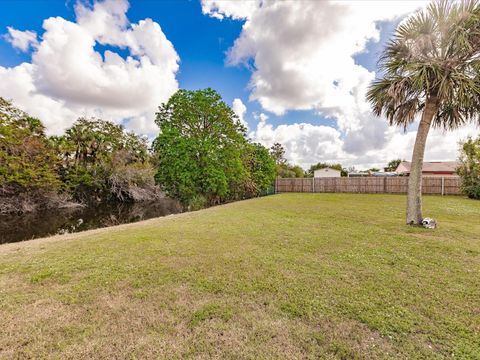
(201,157)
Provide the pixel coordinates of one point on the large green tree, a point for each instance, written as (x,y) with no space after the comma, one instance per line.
(199,148)
(431,67)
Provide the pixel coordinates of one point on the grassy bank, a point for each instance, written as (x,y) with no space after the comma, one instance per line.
(288,276)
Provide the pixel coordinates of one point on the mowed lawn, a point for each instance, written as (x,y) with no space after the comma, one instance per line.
(285,276)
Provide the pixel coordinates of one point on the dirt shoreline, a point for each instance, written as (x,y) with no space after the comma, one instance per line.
(38,242)
(34,243)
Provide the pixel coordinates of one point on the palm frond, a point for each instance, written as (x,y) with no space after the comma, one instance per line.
(435,53)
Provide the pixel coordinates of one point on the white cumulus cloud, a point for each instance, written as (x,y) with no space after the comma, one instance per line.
(302,57)
(234,9)
(69,77)
(21,40)
(240,109)
(304,143)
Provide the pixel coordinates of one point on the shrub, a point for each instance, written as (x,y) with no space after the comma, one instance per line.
(469,169)
(197,202)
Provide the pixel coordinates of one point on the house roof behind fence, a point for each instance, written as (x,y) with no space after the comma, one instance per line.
(430,166)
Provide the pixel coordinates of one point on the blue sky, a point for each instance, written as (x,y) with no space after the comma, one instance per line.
(322,65)
(200,41)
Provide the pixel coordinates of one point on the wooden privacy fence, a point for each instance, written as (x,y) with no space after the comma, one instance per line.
(375,185)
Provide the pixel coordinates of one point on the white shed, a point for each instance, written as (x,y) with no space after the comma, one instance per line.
(326,172)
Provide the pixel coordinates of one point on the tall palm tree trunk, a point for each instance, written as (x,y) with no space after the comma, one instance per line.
(414,197)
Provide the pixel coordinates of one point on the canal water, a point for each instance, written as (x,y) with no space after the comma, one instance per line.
(15,228)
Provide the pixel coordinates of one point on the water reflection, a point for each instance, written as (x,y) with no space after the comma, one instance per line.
(15,228)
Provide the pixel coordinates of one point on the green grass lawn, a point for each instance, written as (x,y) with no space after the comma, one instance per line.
(285,276)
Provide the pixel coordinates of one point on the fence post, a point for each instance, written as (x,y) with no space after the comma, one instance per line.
(384,184)
(443,185)
(313,184)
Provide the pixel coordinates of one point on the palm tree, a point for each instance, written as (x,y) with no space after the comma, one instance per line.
(430,66)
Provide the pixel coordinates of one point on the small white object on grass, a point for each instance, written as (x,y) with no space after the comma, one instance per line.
(429,223)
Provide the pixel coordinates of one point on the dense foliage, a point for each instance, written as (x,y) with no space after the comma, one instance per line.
(201,157)
(202,152)
(101,159)
(95,160)
(26,157)
(469,169)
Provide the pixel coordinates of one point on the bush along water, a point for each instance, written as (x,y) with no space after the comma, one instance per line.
(94,161)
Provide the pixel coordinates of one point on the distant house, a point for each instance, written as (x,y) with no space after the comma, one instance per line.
(430,168)
(326,172)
